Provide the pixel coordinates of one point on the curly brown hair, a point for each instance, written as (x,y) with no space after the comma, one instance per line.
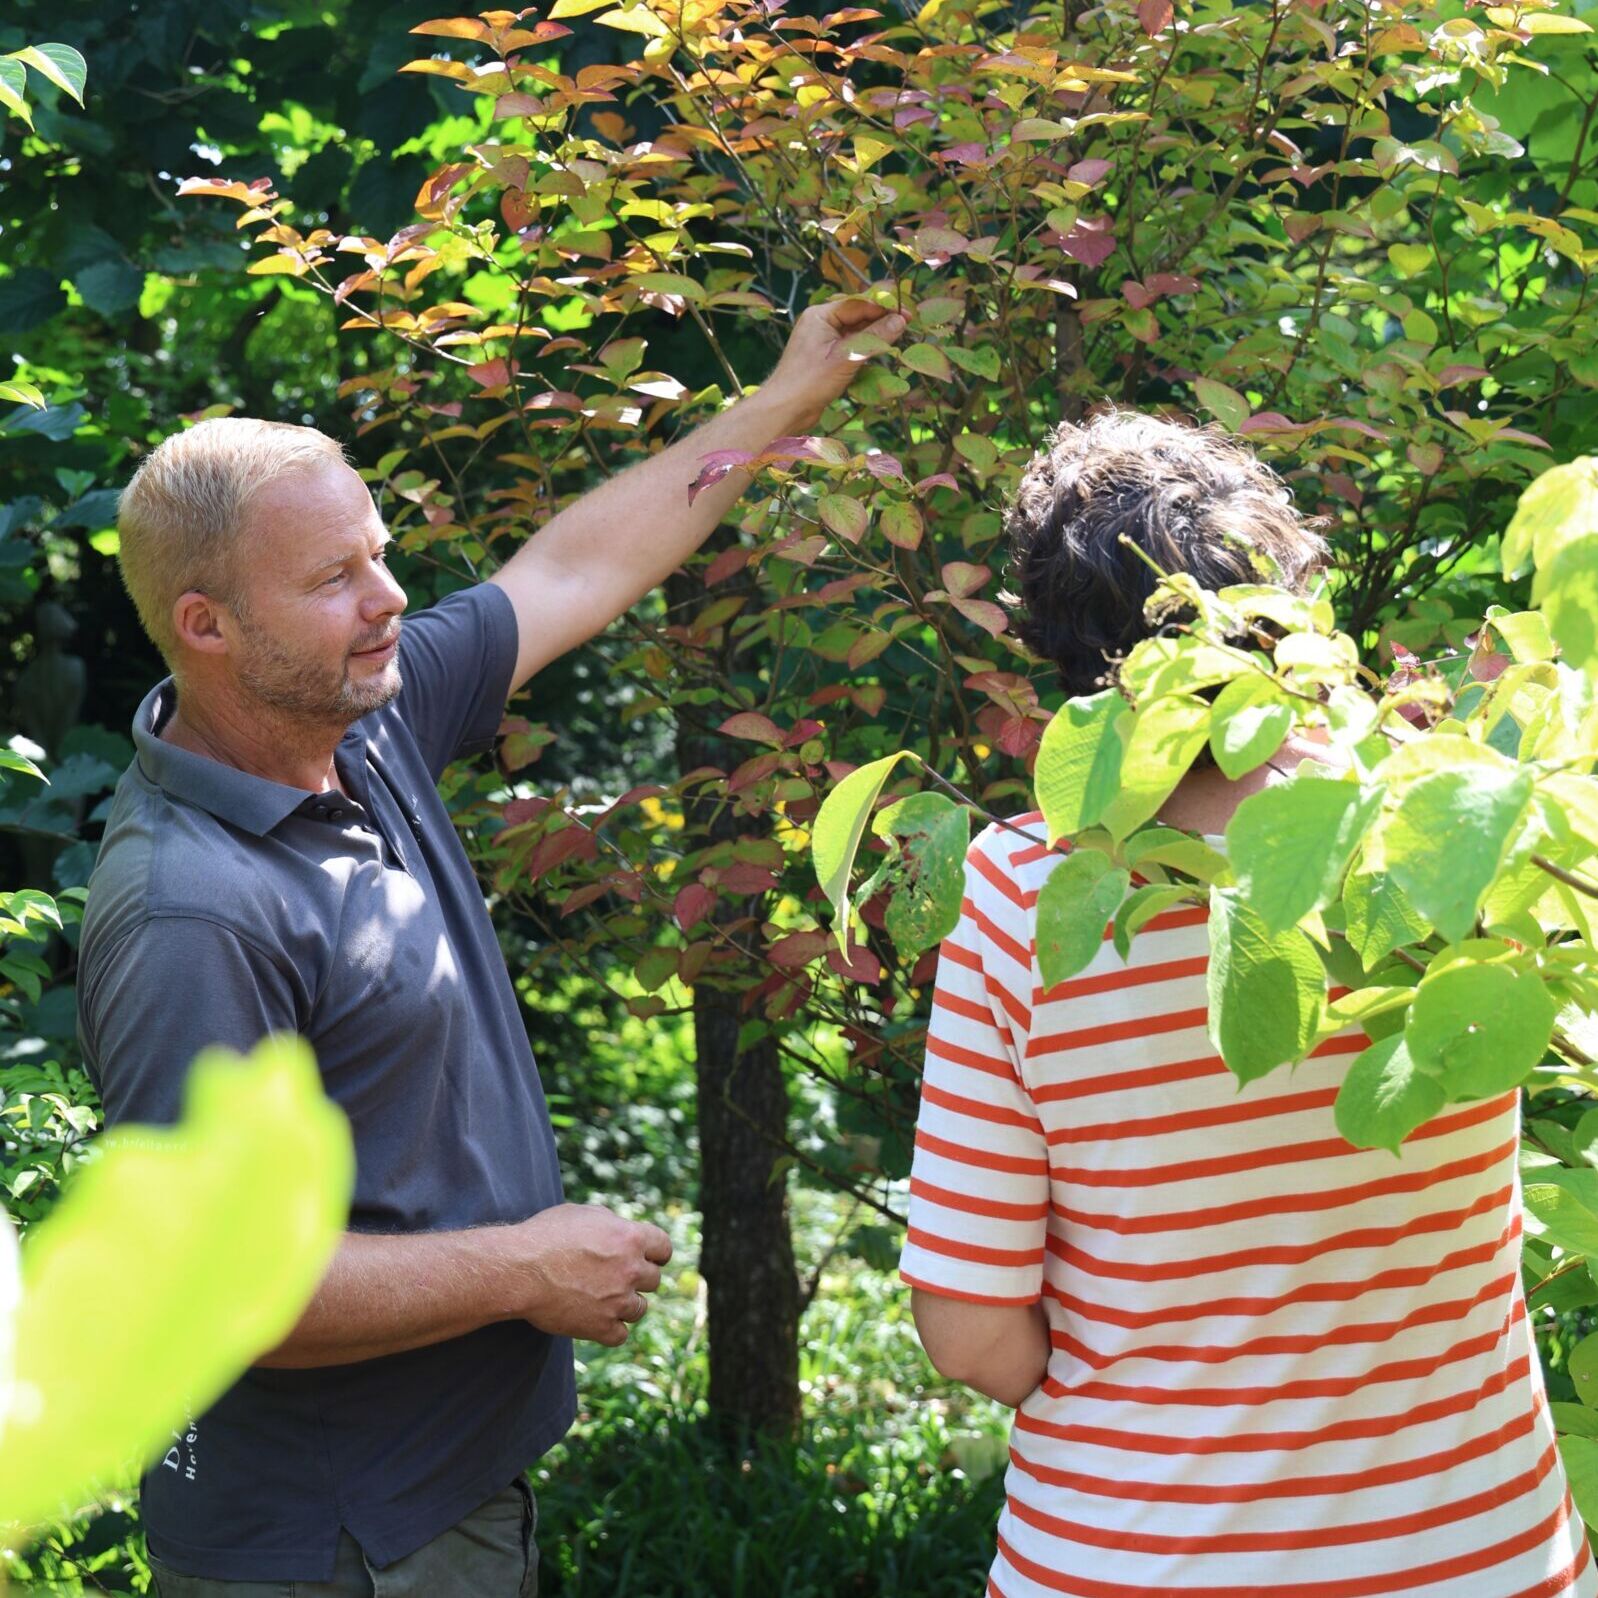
(1190,498)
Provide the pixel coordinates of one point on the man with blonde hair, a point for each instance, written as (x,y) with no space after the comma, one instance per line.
(277,858)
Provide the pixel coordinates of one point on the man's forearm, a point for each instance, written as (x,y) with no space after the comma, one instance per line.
(599,536)
(386,1294)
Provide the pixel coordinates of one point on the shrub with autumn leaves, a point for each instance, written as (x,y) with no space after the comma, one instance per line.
(1358,235)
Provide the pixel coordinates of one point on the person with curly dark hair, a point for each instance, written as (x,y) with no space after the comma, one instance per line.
(1246,1357)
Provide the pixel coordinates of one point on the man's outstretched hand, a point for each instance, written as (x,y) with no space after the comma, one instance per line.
(822,356)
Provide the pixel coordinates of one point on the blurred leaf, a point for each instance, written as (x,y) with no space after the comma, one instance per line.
(209,1238)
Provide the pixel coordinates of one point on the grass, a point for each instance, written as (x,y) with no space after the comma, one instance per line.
(892,1488)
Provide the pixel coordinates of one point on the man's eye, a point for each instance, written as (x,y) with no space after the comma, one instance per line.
(337,577)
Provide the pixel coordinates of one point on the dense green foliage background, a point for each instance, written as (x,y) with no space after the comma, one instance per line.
(1359,236)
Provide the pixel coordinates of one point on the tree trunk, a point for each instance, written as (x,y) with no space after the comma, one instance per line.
(742,1101)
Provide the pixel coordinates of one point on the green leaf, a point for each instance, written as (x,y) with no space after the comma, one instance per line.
(1221,401)
(928,360)
(208,1238)
(1582,1364)
(1568,589)
(29,296)
(1524,632)
(1079,762)
(1556,508)
(1140,907)
(1579,1455)
(1158,666)
(1385,1096)
(934,833)
(901,524)
(1560,1209)
(1481,1027)
(1177,851)
(10,760)
(1445,840)
(1365,1004)
(1378,918)
(836,832)
(982,362)
(110,286)
(17,392)
(1248,723)
(1291,844)
(1574,1420)
(842,515)
(13,88)
(1409,260)
(1075,904)
(1265,992)
(1164,739)
(60,63)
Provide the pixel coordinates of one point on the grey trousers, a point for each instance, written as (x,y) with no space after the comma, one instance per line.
(490,1554)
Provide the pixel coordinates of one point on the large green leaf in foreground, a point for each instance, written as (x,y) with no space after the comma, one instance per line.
(173,1260)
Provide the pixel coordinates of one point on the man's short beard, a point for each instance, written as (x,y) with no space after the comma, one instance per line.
(289,685)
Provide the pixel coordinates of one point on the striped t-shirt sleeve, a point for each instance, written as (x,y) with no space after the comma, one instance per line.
(979,1184)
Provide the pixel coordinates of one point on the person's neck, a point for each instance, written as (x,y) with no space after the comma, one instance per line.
(255,739)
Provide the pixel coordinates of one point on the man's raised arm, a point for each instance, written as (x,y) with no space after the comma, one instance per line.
(601,555)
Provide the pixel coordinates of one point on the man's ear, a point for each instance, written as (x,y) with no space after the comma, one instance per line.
(197,622)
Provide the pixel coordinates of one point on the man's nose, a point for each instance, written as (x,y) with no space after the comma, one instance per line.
(389,598)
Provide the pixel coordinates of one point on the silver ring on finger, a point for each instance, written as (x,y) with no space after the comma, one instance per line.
(635,1311)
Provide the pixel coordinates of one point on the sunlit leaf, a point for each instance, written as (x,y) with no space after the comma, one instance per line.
(1265,991)
(208,1238)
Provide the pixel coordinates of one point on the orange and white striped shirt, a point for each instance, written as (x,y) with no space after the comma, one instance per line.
(1281,1365)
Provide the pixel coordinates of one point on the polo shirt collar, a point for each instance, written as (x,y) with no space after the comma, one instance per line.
(255,804)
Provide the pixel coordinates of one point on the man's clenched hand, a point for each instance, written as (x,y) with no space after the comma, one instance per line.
(588,1270)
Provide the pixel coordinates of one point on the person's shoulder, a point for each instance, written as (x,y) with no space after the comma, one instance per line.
(1013,842)
(162,857)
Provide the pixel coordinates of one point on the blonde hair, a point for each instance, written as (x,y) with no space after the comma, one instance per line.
(181,519)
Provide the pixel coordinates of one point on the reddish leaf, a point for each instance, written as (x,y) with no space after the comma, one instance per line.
(1270,422)
(960,577)
(756,769)
(1091,172)
(751,724)
(581,897)
(745,879)
(983,612)
(693,905)
(715,466)
(570,843)
(798,949)
(1155,15)
(1091,241)
(691,961)
(490,374)
(520,811)
(726,563)
(861,966)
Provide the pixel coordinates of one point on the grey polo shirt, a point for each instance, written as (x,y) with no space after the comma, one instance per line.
(224,907)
